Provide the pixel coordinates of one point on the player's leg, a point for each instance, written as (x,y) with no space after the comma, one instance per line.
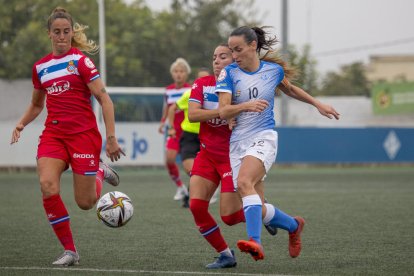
(189,147)
(172,149)
(52,161)
(203,183)
(251,172)
(50,171)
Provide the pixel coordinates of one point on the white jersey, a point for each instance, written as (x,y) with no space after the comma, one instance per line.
(249,86)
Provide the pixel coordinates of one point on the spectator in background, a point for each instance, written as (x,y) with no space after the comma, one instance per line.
(66,79)
(180,70)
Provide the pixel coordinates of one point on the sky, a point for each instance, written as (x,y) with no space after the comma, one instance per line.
(339,32)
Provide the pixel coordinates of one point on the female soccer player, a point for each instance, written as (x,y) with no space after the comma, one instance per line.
(212,164)
(66,78)
(246,91)
(179,71)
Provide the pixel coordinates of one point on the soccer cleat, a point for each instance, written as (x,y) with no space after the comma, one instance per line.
(181,192)
(223,261)
(295,244)
(68,258)
(186,201)
(271,229)
(110,175)
(252,247)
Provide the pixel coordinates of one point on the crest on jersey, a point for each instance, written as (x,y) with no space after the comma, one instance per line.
(222,75)
(89,63)
(71,66)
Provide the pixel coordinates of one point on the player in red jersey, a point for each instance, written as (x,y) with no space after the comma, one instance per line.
(179,71)
(67,78)
(212,164)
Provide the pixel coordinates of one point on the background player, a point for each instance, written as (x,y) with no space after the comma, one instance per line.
(180,71)
(66,78)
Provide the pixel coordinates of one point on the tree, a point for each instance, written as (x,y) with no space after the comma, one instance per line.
(350,81)
(305,65)
(140,44)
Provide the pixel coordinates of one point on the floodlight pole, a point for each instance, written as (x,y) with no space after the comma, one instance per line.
(284,102)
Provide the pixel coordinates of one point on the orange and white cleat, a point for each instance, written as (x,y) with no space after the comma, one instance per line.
(295,243)
(252,247)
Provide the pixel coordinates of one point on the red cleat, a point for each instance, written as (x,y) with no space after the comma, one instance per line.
(295,244)
(252,247)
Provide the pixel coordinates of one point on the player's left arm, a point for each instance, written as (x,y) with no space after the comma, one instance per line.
(113,150)
(301,95)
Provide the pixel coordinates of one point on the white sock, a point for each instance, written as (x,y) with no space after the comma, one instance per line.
(227,252)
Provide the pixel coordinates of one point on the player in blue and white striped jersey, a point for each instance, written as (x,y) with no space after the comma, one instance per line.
(246,91)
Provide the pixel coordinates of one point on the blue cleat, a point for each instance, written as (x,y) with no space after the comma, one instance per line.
(223,261)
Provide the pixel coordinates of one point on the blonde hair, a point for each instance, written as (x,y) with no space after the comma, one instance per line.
(180,62)
(79,39)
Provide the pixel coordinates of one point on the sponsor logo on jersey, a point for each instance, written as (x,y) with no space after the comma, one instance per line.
(58,87)
(89,63)
(71,67)
(194,86)
(222,75)
(237,93)
(83,155)
(216,122)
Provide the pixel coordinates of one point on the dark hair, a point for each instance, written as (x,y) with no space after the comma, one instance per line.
(256,34)
(265,42)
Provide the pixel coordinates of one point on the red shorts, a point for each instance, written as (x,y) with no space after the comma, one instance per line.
(173,143)
(214,169)
(81,150)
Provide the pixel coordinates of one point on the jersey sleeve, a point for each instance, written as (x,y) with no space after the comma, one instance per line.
(182,102)
(35,79)
(87,69)
(224,82)
(197,92)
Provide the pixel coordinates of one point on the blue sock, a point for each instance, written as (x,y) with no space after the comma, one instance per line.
(283,220)
(252,207)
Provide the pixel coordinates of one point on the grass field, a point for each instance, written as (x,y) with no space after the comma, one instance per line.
(359,222)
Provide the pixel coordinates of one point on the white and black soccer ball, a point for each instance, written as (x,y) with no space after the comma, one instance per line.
(114,209)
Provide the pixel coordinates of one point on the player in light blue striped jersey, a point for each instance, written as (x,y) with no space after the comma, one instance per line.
(246,91)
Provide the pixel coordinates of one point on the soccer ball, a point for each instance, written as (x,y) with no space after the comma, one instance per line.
(114,209)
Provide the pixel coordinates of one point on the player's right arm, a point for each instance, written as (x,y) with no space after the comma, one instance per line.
(228,111)
(35,108)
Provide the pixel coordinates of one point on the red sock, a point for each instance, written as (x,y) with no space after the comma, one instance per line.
(59,220)
(234,218)
(174,174)
(98,181)
(207,225)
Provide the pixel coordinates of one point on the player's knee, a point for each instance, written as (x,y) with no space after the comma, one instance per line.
(234,218)
(86,204)
(48,187)
(243,185)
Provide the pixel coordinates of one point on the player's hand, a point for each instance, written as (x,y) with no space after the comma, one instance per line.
(161,128)
(256,105)
(16,133)
(172,132)
(232,123)
(328,111)
(113,150)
